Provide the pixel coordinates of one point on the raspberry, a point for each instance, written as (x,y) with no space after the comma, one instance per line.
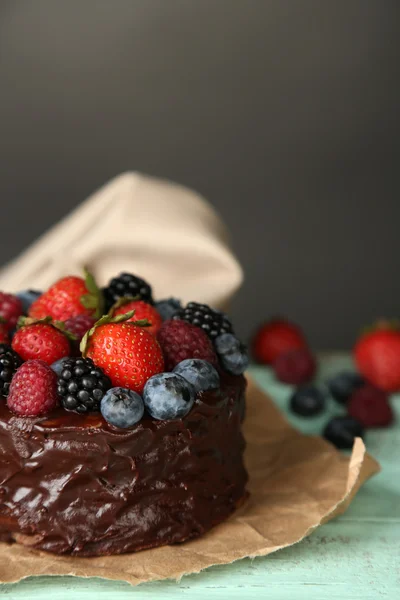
(33,390)
(370,407)
(180,340)
(4,337)
(79,325)
(295,366)
(10,309)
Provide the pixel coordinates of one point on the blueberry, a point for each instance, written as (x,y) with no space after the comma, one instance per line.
(168,396)
(342,385)
(27,297)
(200,373)
(232,353)
(58,366)
(121,407)
(341,431)
(168,308)
(307,401)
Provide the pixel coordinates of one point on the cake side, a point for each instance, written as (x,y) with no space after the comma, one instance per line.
(75,484)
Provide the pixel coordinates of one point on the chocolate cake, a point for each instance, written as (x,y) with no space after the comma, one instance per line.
(130,443)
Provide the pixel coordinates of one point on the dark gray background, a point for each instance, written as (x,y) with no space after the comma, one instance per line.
(285,114)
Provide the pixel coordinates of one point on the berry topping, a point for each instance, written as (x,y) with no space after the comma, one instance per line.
(81,385)
(377,354)
(295,367)
(40,340)
(4,335)
(121,407)
(370,407)
(69,297)
(27,298)
(343,384)
(274,338)
(10,309)
(126,352)
(342,431)
(307,401)
(168,396)
(142,310)
(168,308)
(79,325)
(9,363)
(127,284)
(200,373)
(33,390)
(213,322)
(232,353)
(180,340)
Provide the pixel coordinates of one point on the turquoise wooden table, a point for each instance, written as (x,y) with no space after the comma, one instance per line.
(355,556)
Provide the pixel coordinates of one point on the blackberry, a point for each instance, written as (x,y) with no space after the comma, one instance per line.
(126,284)
(81,385)
(213,322)
(9,363)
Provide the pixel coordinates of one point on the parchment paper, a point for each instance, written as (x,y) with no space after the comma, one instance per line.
(296,483)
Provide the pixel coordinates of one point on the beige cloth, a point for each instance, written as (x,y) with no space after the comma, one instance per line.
(159,230)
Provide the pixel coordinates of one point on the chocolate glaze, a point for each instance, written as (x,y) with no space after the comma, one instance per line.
(74,484)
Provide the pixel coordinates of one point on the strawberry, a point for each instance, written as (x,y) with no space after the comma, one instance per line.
(10,309)
(69,297)
(4,337)
(40,340)
(377,354)
(126,352)
(142,310)
(276,337)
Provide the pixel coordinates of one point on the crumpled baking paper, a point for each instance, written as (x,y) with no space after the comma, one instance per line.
(297,482)
(172,237)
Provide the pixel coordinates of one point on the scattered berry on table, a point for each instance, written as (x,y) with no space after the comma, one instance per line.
(274,338)
(343,384)
(121,407)
(81,385)
(143,310)
(69,297)
(342,431)
(33,390)
(27,298)
(295,367)
(168,396)
(57,366)
(79,325)
(307,401)
(10,361)
(377,354)
(4,334)
(232,353)
(200,373)
(213,322)
(127,353)
(41,341)
(180,340)
(370,407)
(168,308)
(127,284)
(10,309)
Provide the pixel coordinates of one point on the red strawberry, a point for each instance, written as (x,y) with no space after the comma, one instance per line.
(79,325)
(143,310)
(10,309)
(370,407)
(4,337)
(126,352)
(33,389)
(377,354)
(69,297)
(276,337)
(40,340)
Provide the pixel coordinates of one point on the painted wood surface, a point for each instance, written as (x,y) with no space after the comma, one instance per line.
(355,556)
